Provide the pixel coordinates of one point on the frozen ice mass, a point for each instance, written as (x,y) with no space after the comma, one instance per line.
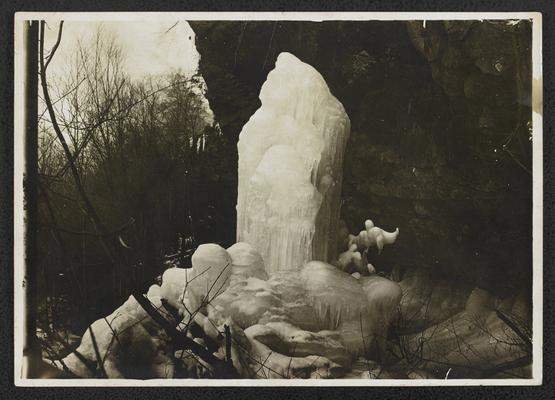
(291,167)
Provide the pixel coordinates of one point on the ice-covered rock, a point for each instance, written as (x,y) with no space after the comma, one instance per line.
(471,342)
(335,295)
(174,283)
(382,299)
(288,339)
(246,261)
(271,364)
(211,271)
(428,300)
(130,344)
(247,301)
(352,261)
(154,291)
(290,168)
(360,309)
(190,289)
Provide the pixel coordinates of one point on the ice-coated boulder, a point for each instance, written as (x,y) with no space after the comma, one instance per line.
(290,168)
(211,271)
(190,289)
(352,261)
(473,341)
(174,283)
(246,301)
(290,340)
(360,309)
(130,343)
(272,364)
(335,295)
(382,299)
(428,300)
(246,261)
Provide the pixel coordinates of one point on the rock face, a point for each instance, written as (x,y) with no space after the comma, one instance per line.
(291,167)
(430,107)
(428,301)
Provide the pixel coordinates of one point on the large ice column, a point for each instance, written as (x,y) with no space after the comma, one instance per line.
(291,167)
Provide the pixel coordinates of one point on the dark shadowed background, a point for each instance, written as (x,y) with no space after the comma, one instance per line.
(440,139)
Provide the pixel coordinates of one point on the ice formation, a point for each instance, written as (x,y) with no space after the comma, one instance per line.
(355,258)
(131,344)
(372,236)
(352,261)
(360,309)
(296,323)
(290,168)
(207,279)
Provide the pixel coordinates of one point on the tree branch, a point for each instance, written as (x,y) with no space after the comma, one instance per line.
(222,369)
(58,40)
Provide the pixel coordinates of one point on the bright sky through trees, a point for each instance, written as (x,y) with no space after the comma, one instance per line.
(150,47)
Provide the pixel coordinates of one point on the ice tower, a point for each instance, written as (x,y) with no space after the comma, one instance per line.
(291,167)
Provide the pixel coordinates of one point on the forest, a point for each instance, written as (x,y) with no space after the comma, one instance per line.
(118,196)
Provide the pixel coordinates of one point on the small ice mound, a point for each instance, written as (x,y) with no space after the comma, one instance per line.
(383,297)
(174,281)
(335,295)
(360,309)
(210,274)
(154,291)
(140,342)
(247,301)
(190,289)
(246,262)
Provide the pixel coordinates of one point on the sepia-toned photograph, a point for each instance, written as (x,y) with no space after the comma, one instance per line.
(278,199)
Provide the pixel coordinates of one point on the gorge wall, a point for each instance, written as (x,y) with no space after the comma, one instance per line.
(432,105)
